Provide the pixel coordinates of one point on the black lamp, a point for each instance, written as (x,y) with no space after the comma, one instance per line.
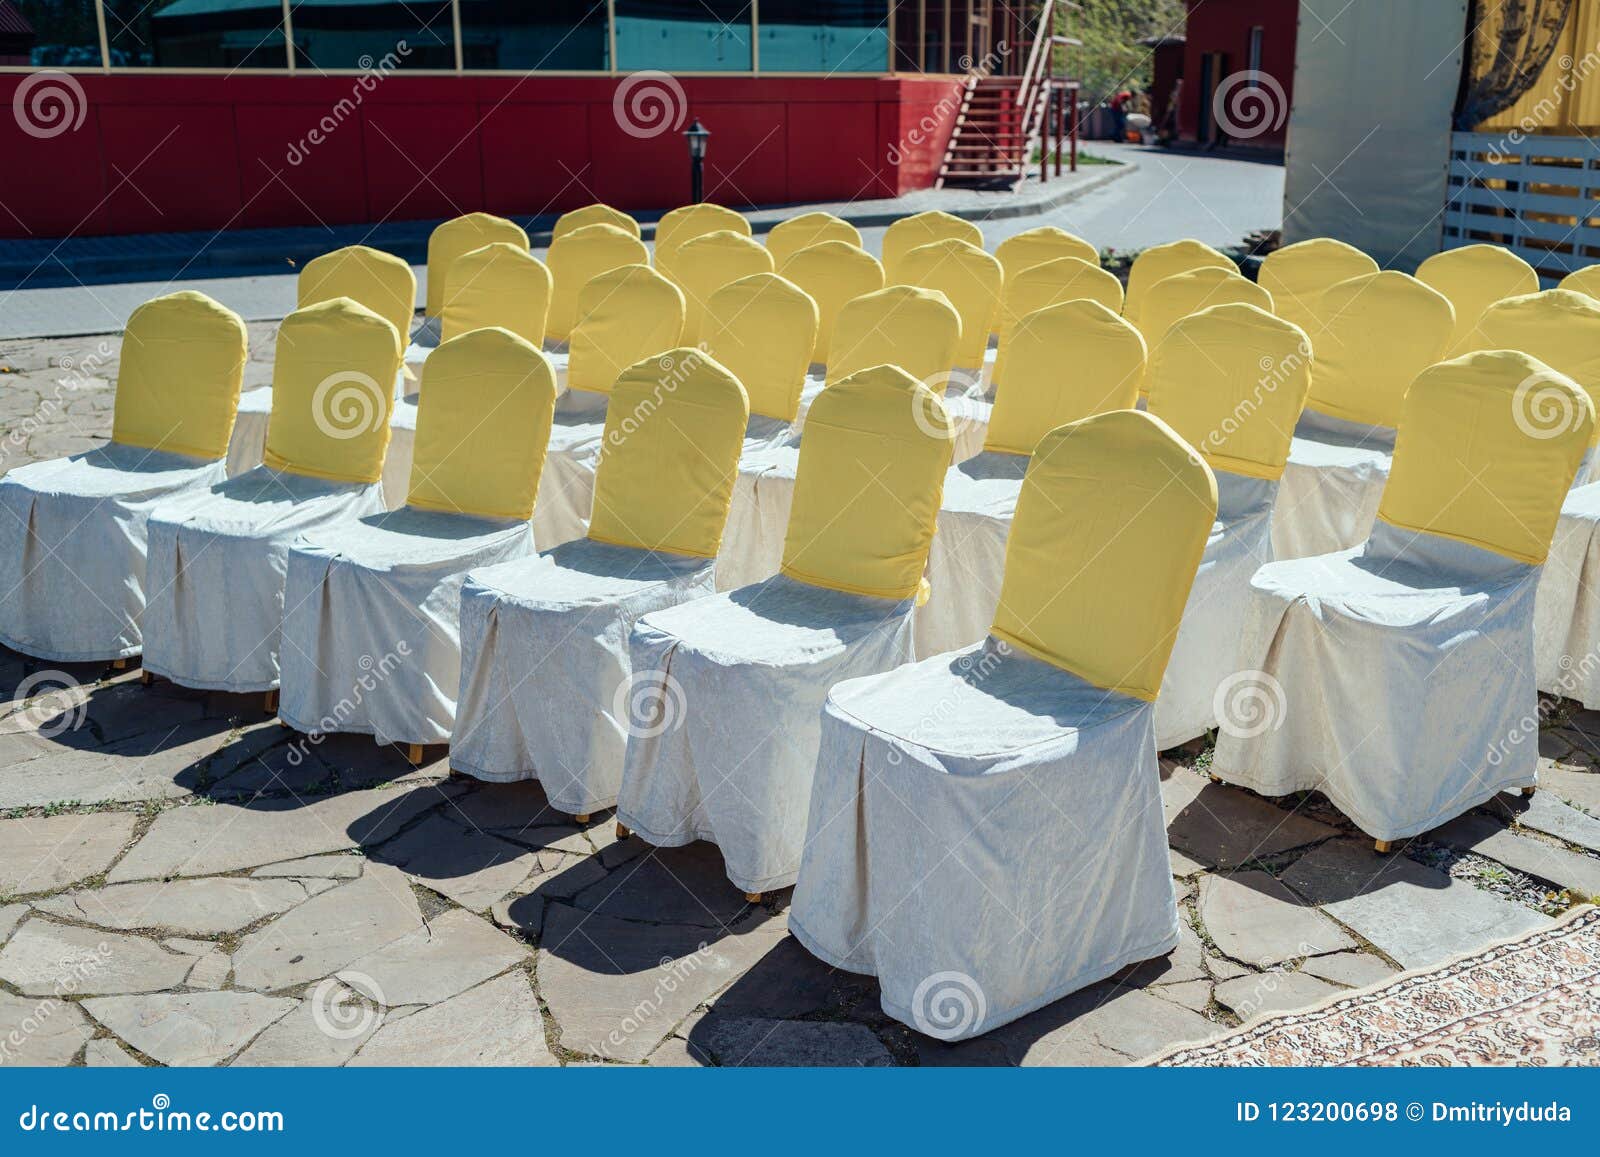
(698,135)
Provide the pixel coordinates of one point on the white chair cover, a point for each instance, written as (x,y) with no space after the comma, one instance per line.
(1328,495)
(1567,612)
(73,547)
(566,488)
(216,574)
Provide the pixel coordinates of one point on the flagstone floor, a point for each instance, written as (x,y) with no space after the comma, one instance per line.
(183,881)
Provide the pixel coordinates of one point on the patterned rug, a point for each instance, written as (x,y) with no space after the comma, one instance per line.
(1534,1000)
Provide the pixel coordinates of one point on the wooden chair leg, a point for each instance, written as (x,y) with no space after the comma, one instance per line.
(622,830)
(269,702)
(1527,792)
(581,818)
(752,897)
(119,664)
(414,754)
(145,678)
(1382,847)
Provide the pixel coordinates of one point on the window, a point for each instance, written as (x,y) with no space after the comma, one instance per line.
(58,34)
(362,34)
(684,35)
(824,35)
(567,35)
(1256,33)
(195,33)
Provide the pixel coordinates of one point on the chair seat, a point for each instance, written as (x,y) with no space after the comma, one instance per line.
(1328,496)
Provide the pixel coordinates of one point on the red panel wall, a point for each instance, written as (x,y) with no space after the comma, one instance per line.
(161,153)
(1224,26)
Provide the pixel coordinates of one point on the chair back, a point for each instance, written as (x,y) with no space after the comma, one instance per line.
(1297,275)
(1473,278)
(380,281)
(576,259)
(1559,327)
(497,285)
(833,273)
(690,221)
(1052,283)
(1022,251)
(787,238)
(624,316)
(970,279)
(462,235)
(921,229)
(763,328)
(1160,262)
(596,214)
(915,329)
(702,265)
(1176,297)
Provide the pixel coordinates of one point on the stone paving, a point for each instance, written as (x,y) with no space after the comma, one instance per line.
(183,881)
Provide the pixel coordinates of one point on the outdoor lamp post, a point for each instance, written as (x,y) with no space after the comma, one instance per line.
(698,135)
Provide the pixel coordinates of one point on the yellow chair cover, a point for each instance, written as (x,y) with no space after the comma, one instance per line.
(691,221)
(1061,364)
(1231,380)
(921,229)
(833,273)
(915,329)
(1377,333)
(970,279)
(1560,327)
(483,424)
(1160,262)
(332,390)
(462,235)
(1051,283)
(762,328)
(1488,446)
(577,259)
(1024,250)
(183,361)
(1473,278)
(868,485)
(1298,275)
(498,285)
(1110,527)
(670,455)
(1176,297)
(596,214)
(789,237)
(380,281)
(624,316)
(1585,280)
(702,265)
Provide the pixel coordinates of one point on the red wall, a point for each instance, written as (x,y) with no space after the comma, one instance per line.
(161,153)
(1224,26)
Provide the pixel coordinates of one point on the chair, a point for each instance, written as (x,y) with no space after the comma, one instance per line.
(218,558)
(1061,364)
(832,273)
(1585,280)
(380,281)
(546,681)
(1160,262)
(388,586)
(1473,278)
(1052,283)
(73,547)
(497,286)
(459,236)
(577,258)
(1398,675)
(990,822)
(744,674)
(1298,275)
(1230,380)
(1173,298)
(691,221)
(624,316)
(921,229)
(1022,251)
(702,265)
(970,279)
(787,238)
(597,214)
(1375,334)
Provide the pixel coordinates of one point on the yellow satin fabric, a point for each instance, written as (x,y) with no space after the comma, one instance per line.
(833,273)
(1024,250)
(1231,380)
(970,279)
(1560,327)
(577,259)
(789,237)
(332,392)
(763,328)
(702,265)
(1298,275)
(1375,334)
(380,281)
(1487,449)
(498,285)
(1062,364)
(183,361)
(670,454)
(483,424)
(1473,278)
(1110,528)
(921,229)
(596,214)
(868,485)
(691,221)
(1052,283)
(1174,298)
(625,315)
(915,329)
(1160,262)
(462,235)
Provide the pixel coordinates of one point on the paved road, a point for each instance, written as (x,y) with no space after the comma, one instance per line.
(1170,196)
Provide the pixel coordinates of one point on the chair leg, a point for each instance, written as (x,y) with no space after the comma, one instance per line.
(581,818)
(119,664)
(1382,847)
(1527,792)
(1216,779)
(622,830)
(269,702)
(145,678)
(752,897)
(414,754)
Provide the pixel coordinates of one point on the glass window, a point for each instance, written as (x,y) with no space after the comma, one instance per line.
(51,34)
(824,35)
(195,33)
(552,34)
(907,35)
(684,35)
(365,34)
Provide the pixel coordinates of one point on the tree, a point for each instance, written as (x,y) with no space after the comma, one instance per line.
(1112,57)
